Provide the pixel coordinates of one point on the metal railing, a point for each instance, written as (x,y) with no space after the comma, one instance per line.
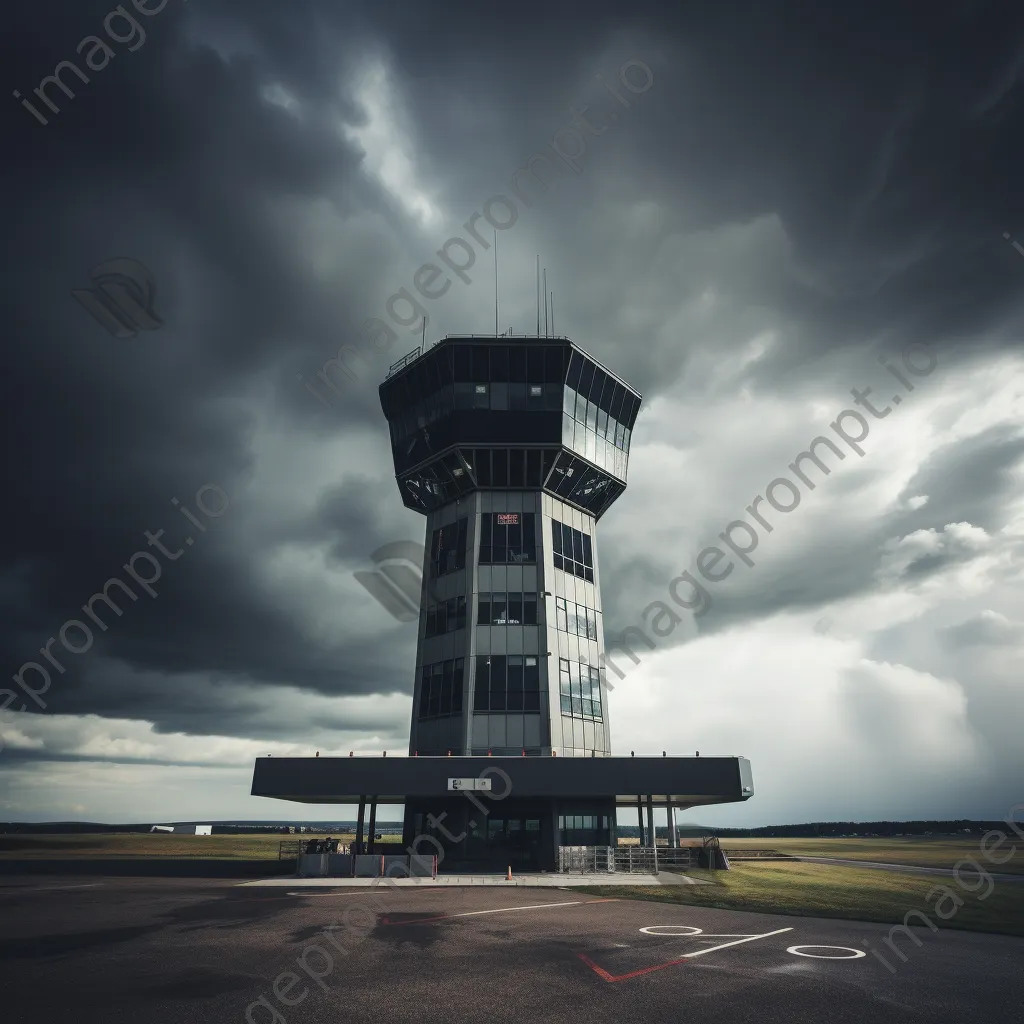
(674,859)
(404,361)
(645,860)
(292,849)
(510,334)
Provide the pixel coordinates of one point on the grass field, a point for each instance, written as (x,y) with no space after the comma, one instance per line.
(107,846)
(138,845)
(778,887)
(828,890)
(925,852)
(914,852)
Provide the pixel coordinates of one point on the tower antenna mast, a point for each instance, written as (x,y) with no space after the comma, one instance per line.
(538,295)
(545,302)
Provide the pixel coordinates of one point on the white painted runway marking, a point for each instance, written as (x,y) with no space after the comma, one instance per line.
(857,953)
(505,910)
(686,931)
(738,942)
(363,890)
(693,932)
(358,892)
(50,888)
(650,929)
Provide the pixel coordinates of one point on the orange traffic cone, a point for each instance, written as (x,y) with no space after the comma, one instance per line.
(508,877)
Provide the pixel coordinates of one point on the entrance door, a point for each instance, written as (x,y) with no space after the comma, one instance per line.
(514,842)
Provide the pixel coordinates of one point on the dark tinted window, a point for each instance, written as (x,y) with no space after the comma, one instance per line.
(480,363)
(516,468)
(448,548)
(445,616)
(499,363)
(483,467)
(572,551)
(586,378)
(535,364)
(517,363)
(506,683)
(503,542)
(554,370)
(463,368)
(575,369)
(441,688)
(499,461)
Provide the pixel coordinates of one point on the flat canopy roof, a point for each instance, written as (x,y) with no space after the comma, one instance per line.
(688,781)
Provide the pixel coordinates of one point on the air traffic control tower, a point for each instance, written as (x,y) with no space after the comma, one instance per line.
(513,448)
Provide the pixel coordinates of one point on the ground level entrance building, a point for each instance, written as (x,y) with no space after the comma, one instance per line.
(533,805)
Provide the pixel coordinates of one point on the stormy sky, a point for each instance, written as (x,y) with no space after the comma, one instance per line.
(785,194)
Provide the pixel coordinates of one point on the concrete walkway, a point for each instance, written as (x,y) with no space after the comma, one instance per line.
(553,880)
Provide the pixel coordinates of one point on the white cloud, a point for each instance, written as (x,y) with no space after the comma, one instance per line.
(384,138)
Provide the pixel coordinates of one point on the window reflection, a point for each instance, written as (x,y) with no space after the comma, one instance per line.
(575,618)
(441,688)
(506,683)
(579,689)
(571,551)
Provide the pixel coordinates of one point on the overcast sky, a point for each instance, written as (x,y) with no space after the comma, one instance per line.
(788,197)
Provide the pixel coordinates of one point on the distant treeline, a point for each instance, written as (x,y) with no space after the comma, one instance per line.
(219,827)
(834,829)
(810,830)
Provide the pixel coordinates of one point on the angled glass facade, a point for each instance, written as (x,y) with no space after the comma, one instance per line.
(497,413)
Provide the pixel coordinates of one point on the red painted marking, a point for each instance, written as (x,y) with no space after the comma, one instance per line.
(602,973)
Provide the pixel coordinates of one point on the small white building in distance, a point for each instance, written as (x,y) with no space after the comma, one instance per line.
(185,830)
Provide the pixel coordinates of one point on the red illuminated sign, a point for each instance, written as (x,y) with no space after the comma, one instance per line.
(508,518)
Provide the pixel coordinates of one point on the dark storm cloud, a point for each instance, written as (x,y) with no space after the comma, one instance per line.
(886,139)
(887,142)
(972,482)
(166,156)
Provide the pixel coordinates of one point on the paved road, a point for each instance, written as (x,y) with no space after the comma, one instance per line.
(498,880)
(121,951)
(908,869)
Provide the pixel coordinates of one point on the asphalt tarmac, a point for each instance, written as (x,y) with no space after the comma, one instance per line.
(187,951)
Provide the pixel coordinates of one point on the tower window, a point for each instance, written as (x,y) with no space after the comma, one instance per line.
(448,548)
(503,541)
(441,689)
(572,551)
(506,683)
